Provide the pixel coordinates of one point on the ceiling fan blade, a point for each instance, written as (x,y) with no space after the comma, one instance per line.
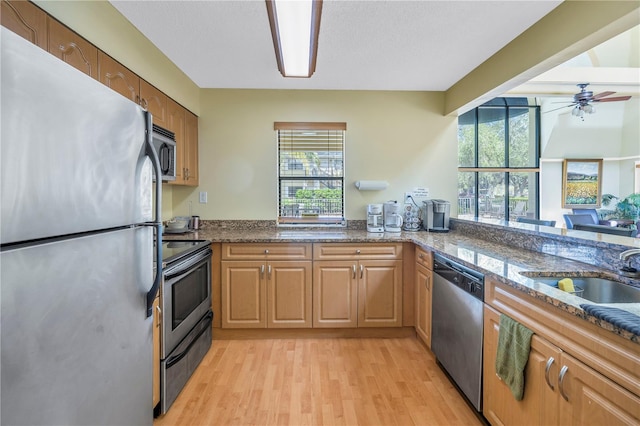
(602,95)
(617,98)
(551,110)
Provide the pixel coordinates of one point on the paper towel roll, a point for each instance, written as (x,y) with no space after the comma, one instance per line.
(371,185)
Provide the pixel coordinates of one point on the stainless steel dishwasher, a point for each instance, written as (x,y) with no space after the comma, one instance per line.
(456,339)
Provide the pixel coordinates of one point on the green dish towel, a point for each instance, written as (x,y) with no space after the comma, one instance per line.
(514,344)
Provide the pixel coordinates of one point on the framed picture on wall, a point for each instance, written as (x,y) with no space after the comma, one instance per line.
(581,184)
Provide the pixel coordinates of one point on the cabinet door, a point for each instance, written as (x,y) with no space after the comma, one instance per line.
(243,295)
(191,148)
(116,76)
(289,294)
(155,102)
(589,398)
(176,123)
(335,294)
(380,293)
(157,323)
(72,49)
(271,251)
(423,303)
(27,20)
(539,405)
(424,258)
(348,251)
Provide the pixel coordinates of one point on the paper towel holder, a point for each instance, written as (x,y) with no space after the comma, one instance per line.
(371,185)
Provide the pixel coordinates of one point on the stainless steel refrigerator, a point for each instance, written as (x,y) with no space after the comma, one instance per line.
(77,246)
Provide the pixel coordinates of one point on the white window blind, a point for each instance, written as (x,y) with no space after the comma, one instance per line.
(310,173)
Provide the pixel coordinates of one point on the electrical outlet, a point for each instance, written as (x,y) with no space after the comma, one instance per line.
(407,197)
(203,197)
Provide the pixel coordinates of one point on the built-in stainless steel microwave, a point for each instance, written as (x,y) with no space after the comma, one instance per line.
(164,143)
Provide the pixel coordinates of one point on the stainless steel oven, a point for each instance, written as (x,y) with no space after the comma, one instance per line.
(186,314)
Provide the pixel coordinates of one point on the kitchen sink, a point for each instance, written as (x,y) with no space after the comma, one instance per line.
(598,290)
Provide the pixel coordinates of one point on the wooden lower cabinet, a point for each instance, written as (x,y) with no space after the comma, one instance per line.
(540,403)
(157,323)
(364,293)
(244,300)
(335,294)
(579,396)
(289,294)
(423,280)
(587,398)
(259,294)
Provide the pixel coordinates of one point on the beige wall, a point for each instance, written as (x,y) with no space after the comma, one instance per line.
(400,137)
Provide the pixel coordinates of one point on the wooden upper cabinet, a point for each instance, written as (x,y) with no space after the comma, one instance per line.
(72,49)
(154,101)
(176,123)
(118,77)
(27,20)
(191,149)
(185,126)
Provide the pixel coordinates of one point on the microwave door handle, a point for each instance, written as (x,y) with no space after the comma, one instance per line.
(157,222)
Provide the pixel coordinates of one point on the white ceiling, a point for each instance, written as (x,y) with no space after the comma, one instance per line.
(363,45)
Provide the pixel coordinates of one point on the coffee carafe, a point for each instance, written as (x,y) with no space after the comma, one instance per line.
(374,218)
(392,217)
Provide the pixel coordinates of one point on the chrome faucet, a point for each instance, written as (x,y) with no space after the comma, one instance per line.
(628,253)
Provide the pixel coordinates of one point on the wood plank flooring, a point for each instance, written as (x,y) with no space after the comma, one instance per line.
(319,382)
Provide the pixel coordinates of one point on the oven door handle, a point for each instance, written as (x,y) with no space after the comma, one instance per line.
(181,268)
(177,357)
(157,223)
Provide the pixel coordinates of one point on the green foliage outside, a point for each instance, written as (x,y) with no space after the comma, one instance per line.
(491,153)
(319,193)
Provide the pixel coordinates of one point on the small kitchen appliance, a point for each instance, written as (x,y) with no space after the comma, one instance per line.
(436,215)
(392,217)
(374,218)
(194,223)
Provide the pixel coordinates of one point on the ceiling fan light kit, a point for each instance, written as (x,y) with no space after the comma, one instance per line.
(582,102)
(295,26)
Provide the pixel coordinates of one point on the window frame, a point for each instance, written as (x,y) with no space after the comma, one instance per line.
(506,105)
(300,220)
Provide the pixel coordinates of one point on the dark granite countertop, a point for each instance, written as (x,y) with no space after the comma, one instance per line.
(504,263)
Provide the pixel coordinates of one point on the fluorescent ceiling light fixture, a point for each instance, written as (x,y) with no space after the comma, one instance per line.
(295,25)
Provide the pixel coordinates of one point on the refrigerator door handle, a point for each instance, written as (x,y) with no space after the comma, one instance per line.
(157,223)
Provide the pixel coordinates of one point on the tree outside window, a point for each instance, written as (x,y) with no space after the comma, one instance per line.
(498,164)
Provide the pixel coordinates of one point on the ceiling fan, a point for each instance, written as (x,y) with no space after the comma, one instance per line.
(582,102)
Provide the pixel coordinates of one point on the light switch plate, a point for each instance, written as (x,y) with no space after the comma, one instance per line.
(203,197)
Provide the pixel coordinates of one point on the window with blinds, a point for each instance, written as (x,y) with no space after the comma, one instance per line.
(310,173)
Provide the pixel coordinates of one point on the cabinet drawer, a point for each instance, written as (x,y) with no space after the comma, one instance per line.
(424,258)
(322,251)
(270,251)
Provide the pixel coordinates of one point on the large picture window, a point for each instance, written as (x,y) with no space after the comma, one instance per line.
(498,160)
(310,173)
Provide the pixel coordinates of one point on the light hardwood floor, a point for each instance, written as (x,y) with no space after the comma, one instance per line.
(319,381)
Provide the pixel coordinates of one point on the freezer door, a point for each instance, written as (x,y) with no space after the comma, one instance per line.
(76,345)
(73,156)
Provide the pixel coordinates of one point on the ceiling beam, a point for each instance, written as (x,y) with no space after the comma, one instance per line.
(570,29)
